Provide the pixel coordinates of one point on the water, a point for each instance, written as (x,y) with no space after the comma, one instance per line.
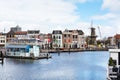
(73,66)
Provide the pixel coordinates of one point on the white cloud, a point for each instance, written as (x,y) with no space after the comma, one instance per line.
(106,30)
(113,5)
(81,1)
(110,18)
(47,15)
(54,11)
(5,25)
(105,16)
(44,15)
(111,24)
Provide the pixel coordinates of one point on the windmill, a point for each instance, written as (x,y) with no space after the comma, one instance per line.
(92,37)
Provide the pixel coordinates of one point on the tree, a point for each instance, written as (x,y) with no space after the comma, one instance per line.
(112,62)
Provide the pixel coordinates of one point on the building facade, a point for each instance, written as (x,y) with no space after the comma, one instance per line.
(73,39)
(21,37)
(117,38)
(10,36)
(2,40)
(67,38)
(57,39)
(81,39)
(33,33)
(47,41)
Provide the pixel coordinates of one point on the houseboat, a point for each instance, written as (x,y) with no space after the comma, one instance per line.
(25,52)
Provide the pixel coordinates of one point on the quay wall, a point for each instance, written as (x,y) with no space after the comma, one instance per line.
(69,50)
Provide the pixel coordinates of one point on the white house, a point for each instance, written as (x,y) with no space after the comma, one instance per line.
(57,39)
(81,39)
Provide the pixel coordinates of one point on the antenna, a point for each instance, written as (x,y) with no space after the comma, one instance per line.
(100,32)
(4,30)
(91,23)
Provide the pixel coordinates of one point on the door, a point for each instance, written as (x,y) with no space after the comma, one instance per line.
(118,58)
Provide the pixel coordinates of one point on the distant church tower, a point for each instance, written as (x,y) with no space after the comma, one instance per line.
(15,29)
(92,37)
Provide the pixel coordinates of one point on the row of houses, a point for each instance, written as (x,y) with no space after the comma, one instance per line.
(56,39)
(68,39)
(113,41)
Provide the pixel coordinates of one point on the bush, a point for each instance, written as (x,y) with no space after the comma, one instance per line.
(112,62)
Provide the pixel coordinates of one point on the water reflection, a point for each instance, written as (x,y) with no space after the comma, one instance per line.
(73,66)
(20,61)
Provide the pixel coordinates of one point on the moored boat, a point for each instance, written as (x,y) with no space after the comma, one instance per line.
(24,51)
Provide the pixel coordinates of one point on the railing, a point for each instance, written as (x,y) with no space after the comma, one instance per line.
(28,43)
(114,72)
(10,53)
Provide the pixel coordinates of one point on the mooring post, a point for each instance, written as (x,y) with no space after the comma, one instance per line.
(2,57)
(69,50)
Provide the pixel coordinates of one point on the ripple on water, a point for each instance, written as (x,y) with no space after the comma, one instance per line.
(73,66)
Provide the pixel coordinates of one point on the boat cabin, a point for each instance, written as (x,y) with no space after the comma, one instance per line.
(22,50)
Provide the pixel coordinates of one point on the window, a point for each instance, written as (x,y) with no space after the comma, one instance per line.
(59,41)
(65,35)
(53,37)
(68,35)
(56,37)
(56,41)
(76,36)
(65,40)
(59,37)
(64,45)
(73,36)
(68,40)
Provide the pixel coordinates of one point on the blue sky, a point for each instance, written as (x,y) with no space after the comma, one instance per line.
(48,15)
(88,9)
(91,8)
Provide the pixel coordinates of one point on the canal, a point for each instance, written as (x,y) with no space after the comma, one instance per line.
(64,66)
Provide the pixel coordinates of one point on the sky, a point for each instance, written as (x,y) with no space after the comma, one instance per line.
(49,15)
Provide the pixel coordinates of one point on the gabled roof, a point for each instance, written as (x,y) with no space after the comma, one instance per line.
(21,33)
(80,32)
(110,37)
(11,32)
(33,31)
(57,32)
(66,30)
(117,36)
(2,33)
